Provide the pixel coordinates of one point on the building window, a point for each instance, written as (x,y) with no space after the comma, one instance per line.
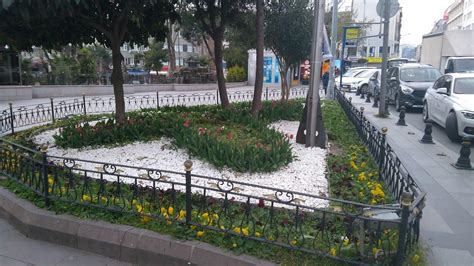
(380,50)
(372,51)
(185,48)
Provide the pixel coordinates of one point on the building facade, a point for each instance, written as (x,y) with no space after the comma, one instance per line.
(365,11)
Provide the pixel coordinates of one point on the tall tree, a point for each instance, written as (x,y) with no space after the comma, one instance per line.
(86,66)
(155,56)
(111,23)
(288,34)
(257,95)
(213,17)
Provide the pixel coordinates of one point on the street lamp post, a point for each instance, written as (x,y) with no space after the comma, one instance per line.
(383,79)
(316,57)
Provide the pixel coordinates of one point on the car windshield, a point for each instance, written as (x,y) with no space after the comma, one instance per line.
(464,65)
(464,86)
(365,74)
(419,74)
(353,72)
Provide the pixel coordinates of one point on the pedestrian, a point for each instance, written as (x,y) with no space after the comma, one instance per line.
(325,79)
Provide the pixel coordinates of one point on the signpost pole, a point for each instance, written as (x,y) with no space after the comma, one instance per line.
(341,71)
(332,73)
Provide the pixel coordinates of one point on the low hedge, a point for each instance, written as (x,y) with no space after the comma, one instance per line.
(223,137)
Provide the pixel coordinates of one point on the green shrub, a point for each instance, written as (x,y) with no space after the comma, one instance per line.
(236,74)
(223,137)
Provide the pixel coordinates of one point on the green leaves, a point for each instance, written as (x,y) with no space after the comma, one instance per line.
(223,137)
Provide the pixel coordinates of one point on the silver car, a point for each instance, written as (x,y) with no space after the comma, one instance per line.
(450,103)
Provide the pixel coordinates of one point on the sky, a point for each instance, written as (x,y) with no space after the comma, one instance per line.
(419,17)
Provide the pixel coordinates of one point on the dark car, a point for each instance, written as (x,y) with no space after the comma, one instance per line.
(374,84)
(407,84)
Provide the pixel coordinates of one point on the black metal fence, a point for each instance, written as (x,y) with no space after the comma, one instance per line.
(16,117)
(392,171)
(342,230)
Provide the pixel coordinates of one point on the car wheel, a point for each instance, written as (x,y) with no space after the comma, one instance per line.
(452,127)
(426,115)
(397,104)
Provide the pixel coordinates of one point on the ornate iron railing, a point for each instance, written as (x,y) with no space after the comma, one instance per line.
(338,229)
(17,117)
(342,230)
(395,175)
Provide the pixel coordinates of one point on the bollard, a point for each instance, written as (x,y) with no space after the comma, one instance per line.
(367,100)
(401,118)
(427,138)
(386,107)
(357,92)
(350,99)
(362,95)
(376,102)
(464,162)
(188,167)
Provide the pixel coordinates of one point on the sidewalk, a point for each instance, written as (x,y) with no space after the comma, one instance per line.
(447,226)
(18,250)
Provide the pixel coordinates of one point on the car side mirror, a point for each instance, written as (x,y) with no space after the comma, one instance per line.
(442,91)
(446,71)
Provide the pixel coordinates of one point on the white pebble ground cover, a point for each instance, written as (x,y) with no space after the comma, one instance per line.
(306,174)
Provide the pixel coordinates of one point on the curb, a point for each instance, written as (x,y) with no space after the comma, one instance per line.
(121,242)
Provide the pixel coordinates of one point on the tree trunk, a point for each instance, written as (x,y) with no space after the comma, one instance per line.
(171,51)
(301,136)
(117,82)
(220,71)
(285,89)
(257,95)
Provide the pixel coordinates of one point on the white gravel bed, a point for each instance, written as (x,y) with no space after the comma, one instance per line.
(306,174)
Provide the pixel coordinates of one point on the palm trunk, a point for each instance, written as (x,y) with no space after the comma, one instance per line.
(117,81)
(220,72)
(257,95)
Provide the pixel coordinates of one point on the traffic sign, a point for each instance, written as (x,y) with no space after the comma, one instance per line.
(394,7)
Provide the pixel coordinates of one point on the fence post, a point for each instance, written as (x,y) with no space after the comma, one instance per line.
(12,119)
(382,148)
(406,201)
(45,177)
(84,103)
(266,94)
(188,167)
(217,96)
(52,109)
(157,99)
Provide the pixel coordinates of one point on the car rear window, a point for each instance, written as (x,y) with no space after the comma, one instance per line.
(419,74)
(464,65)
(464,86)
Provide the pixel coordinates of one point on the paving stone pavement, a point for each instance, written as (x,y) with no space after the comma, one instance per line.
(18,250)
(447,226)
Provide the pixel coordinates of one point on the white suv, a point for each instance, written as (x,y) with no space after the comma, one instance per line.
(450,103)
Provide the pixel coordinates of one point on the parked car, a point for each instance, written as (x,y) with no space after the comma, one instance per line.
(398,61)
(349,76)
(450,103)
(407,84)
(374,83)
(459,65)
(360,83)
